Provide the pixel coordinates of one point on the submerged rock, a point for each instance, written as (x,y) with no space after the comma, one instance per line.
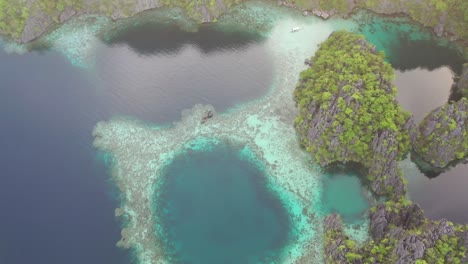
(442,136)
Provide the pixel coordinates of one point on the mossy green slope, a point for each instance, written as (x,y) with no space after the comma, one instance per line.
(449,14)
(345,99)
(25,20)
(13,17)
(348,112)
(442,136)
(401,236)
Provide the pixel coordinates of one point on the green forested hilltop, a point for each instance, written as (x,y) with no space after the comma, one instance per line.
(345,99)
(347,112)
(24,20)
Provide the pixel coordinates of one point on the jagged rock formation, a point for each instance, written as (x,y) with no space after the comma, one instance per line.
(445,17)
(39,15)
(442,136)
(462,83)
(348,111)
(400,235)
(348,114)
(25,20)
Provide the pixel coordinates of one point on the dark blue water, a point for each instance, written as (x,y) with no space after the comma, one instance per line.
(215,208)
(54,205)
(54,193)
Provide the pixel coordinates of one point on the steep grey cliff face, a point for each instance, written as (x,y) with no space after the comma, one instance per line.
(40,21)
(442,137)
(206,11)
(400,234)
(462,84)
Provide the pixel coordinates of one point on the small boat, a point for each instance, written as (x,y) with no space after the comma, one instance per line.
(208,115)
(295,29)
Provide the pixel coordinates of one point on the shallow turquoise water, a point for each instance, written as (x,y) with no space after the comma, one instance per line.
(153,79)
(407,44)
(343,194)
(215,207)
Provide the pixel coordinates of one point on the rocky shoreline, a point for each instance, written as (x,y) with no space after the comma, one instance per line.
(399,231)
(442,136)
(441,139)
(40,18)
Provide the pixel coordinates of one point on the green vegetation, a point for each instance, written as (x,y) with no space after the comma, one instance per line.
(349,85)
(429,12)
(448,140)
(14,14)
(445,249)
(345,99)
(13,17)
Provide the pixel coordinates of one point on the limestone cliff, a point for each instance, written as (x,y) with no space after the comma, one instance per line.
(25,20)
(442,137)
(348,111)
(400,234)
(461,86)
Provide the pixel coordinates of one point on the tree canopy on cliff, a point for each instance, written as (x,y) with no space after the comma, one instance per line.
(346,101)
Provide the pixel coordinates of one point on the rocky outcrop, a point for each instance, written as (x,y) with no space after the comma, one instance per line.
(384,170)
(400,234)
(353,121)
(335,248)
(384,216)
(461,86)
(442,137)
(43,16)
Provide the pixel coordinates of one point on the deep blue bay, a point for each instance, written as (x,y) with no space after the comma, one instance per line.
(58,202)
(56,191)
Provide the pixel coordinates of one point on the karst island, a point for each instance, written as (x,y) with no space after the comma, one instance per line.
(234,132)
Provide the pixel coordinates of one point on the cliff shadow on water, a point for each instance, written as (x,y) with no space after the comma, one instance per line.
(154,38)
(427,54)
(407,44)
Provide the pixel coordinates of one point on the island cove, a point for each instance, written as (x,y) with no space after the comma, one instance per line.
(141,153)
(342,120)
(257,147)
(25,20)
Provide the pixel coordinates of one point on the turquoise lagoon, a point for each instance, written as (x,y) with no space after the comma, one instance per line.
(188,190)
(304,191)
(214,207)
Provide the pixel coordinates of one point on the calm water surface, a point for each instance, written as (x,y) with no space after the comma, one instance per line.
(424,77)
(54,192)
